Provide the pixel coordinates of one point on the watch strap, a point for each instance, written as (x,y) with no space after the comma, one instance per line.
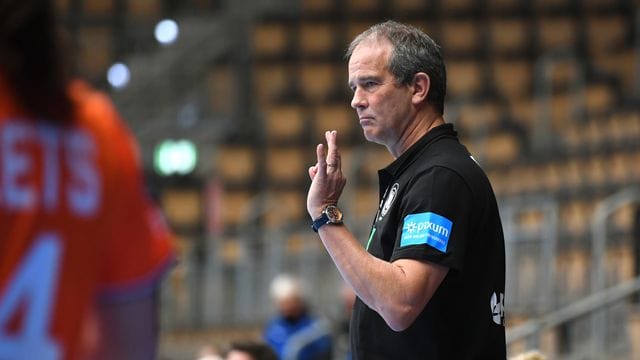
(322,220)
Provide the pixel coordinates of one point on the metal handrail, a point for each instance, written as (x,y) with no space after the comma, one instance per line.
(574,310)
(600,296)
(602,212)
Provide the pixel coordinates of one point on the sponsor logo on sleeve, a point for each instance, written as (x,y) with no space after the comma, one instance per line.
(426,228)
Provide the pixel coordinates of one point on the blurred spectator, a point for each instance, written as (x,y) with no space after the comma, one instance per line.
(529,355)
(82,249)
(209,352)
(250,351)
(294,333)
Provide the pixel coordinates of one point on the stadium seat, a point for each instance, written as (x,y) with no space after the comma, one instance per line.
(595,171)
(314,7)
(317,39)
(182,207)
(464,78)
(572,174)
(149,9)
(271,81)
(318,81)
(619,264)
(362,6)
(285,123)
(605,34)
(460,37)
(477,118)
(563,109)
(599,98)
(508,36)
(524,112)
(573,276)
(621,64)
(287,165)
(550,177)
(548,7)
(457,7)
(97,7)
(270,39)
(556,33)
(504,7)
(512,79)
(235,163)
(235,207)
(623,221)
(407,7)
(574,217)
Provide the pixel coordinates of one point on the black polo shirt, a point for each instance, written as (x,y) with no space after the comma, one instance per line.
(437,205)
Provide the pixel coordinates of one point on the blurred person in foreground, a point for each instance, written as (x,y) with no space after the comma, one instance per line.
(82,249)
(294,333)
(250,351)
(430,281)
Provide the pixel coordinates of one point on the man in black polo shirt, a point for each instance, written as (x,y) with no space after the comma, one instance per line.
(430,282)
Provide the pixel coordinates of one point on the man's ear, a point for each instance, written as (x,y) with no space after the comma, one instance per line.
(421,86)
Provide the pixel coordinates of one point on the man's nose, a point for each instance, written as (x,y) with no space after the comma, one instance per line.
(358,100)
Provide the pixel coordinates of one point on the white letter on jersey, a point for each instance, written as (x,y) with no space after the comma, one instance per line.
(18,197)
(84,186)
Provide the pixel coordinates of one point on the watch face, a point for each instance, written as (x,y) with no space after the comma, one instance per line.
(333,213)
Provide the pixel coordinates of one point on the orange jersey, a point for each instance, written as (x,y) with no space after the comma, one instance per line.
(75,224)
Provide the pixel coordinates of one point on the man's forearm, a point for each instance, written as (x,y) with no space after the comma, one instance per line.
(396,294)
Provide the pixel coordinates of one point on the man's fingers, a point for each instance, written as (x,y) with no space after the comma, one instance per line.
(313,170)
(321,155)
(333,156)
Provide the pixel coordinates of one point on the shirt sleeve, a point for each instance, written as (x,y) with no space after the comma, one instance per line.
(435,217)
(138,250)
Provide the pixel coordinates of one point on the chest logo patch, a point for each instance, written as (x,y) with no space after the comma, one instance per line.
(389,201)
(426,228)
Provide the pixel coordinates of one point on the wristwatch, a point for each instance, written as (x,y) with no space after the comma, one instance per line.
(330,215)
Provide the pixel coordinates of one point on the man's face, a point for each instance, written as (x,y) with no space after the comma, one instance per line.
(290,307)
(238,355)
(383,106)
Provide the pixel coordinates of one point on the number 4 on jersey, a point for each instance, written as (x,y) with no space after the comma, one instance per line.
(31,289)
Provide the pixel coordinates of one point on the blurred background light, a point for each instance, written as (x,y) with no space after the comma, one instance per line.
(166,31)
(175,157)
(118,75)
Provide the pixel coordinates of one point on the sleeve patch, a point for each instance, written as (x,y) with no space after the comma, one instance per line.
(426,228)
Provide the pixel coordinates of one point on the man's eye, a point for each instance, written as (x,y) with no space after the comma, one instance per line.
(369,84)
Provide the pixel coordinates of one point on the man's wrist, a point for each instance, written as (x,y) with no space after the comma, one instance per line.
(317,212)
(330,214)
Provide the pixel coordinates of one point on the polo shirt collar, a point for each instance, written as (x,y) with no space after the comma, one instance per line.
(398,165)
